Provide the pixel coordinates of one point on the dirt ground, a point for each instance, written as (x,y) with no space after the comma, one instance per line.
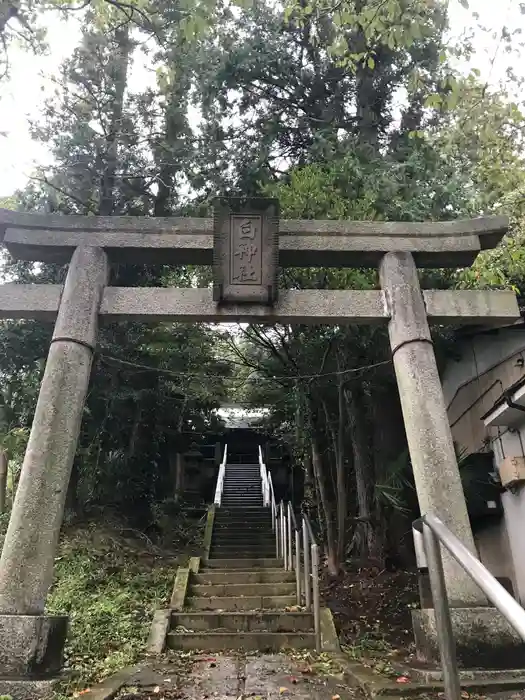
(372,607)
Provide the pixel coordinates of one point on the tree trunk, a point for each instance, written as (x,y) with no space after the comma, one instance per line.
(3,480)
(365,537)
(170,153)
(135,431)
(179,476)
(340,471)
(120,76)
(367,107)
(333,563)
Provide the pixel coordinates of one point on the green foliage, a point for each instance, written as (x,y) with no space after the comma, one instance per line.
(343,110)
(110,587)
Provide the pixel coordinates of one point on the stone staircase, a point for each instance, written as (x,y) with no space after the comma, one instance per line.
(242,487)
(241,597)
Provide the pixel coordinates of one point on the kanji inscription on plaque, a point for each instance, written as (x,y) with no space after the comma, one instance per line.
(246,248)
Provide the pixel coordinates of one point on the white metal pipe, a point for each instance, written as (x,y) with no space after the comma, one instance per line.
(289,537)
(220,478)
(447,645)
(315,595)
(307,579)
(494,591)
(298,565)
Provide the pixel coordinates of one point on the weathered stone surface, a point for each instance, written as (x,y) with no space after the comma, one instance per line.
(180,587)
(26,565)
(246,249)
(432,454)
(276,676)
(310,243)
(81,298)
(247,621)
(241,603)
(471,306)
(243,589)
(213,640)
(158,631)
(38,301)
(27,689)
(305,306)
(208,532)
(326,306)
(226,677)
(194,564)
(485,226)
(31,646)
(219,680)
(329,638)
(484,639)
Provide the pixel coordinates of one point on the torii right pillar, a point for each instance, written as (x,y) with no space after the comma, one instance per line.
(482,635)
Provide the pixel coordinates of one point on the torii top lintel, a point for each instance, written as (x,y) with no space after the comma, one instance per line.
(302,243)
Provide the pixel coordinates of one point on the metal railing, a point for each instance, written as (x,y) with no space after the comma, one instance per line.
(296,545)
(429,532)
(220,478)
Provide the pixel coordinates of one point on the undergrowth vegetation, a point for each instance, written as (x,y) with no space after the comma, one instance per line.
(109,580)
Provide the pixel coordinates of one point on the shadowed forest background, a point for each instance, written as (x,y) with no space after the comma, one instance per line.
(353,109)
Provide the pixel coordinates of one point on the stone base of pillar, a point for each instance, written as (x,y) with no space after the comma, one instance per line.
(484,639)
(31,647)
(26,690)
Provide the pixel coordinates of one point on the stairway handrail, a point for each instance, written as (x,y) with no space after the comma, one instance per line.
(429,532)
(311,535)
(264,480)
(220,478)
(295,550)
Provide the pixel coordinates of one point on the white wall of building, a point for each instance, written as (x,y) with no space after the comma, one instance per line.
(489,364)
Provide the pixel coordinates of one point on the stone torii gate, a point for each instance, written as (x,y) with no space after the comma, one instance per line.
(247,242)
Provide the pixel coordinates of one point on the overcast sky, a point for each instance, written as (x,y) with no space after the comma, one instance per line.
(22,97)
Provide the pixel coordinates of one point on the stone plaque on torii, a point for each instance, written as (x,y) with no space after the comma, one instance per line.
(246,243)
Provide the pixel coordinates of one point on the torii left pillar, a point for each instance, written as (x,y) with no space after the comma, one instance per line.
(31,643)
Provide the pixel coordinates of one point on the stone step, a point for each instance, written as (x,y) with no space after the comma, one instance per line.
(244,479)
(239,542)
(247,553)
(256,602)
(246,641)
(239,489)
(234,520)
(236,486)
(243,544)
(247,621)
(237,546)
(244,564)
(248,529)
(240,539)
(235,576)
(237,590)
(241,502)
(253,512)
(243,499)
